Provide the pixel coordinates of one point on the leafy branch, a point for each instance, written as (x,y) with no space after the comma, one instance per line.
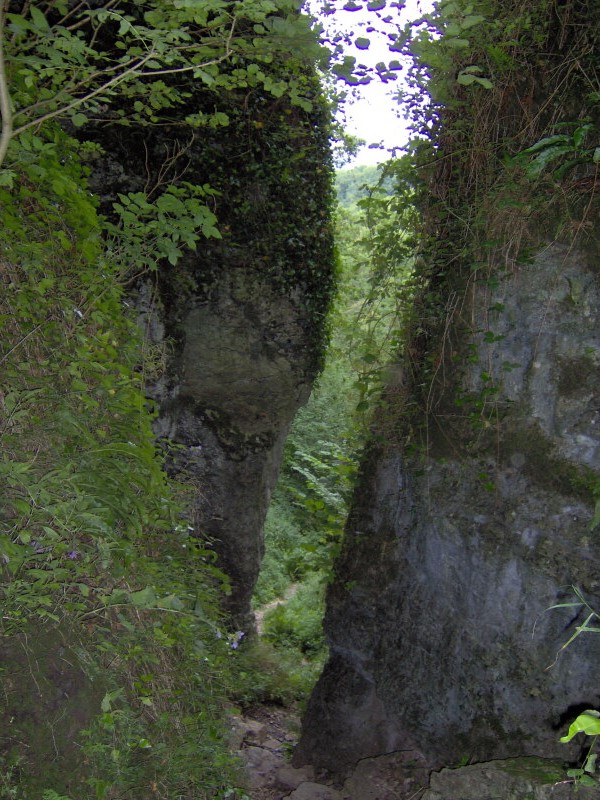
(588,722)
(133,68)
(51,70)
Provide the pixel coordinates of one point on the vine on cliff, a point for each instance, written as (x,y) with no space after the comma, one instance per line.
(504,106)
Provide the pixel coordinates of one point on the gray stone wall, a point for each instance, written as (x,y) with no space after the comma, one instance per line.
(440,632)
(235,373)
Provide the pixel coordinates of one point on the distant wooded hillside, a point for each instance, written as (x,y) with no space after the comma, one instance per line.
(352,184)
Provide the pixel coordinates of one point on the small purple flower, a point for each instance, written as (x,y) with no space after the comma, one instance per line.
(73,555)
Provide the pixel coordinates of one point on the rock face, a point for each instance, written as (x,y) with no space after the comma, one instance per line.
(239,375)
(234,331)
(513,779)
(441,638)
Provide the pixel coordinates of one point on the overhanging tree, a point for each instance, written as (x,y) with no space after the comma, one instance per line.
(125,62)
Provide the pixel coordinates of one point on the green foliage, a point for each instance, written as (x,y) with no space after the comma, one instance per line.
(81,63)
(590,624)
(588,722)
(76,439)
(272,675)
(290,550)
(297,623)
(93,536)
(149,232)
(574,149)
(353,184)
(496,169)
(305,524)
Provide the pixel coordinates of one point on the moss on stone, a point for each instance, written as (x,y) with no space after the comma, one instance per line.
(531,768)
(544,466)
(574,373)
(48,699)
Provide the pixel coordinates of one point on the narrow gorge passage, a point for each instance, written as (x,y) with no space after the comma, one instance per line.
(219,380)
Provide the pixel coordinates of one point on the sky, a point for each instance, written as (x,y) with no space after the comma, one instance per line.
(376,116)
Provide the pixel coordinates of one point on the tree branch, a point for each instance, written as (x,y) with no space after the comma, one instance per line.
(136,68)
(5,109)
(79,100)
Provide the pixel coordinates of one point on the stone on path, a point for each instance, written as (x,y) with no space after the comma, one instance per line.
(316,791)
(289,778)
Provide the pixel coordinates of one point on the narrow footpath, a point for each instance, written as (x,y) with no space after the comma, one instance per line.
(265,738)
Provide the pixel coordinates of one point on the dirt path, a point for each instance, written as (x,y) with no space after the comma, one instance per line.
(259,614)
(266,736)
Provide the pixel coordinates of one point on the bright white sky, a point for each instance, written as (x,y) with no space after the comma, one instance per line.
(376,116)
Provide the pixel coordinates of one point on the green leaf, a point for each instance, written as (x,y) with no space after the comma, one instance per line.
(587,780)
(457,44)
(580,133)
(8,176)
(145,598)
(109,698)
(219,119)
(346,68)
(588,723)
(470,21)
(39,20)
(590,762)
(547,141)
(362,43)
(546,157)
(171,601)
(79,119)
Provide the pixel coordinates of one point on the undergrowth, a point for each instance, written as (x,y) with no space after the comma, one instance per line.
(105,593)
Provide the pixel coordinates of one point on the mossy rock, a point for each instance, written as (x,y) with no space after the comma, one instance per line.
(528,778)
(48,698)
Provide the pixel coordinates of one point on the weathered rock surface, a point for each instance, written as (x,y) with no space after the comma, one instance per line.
(513,779)
(315,791)
(263,748)
(440,634)
(240,371)
(235,330)
(388,777)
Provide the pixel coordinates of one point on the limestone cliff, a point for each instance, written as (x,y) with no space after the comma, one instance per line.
(472,515)
(235,332)
(441,637)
